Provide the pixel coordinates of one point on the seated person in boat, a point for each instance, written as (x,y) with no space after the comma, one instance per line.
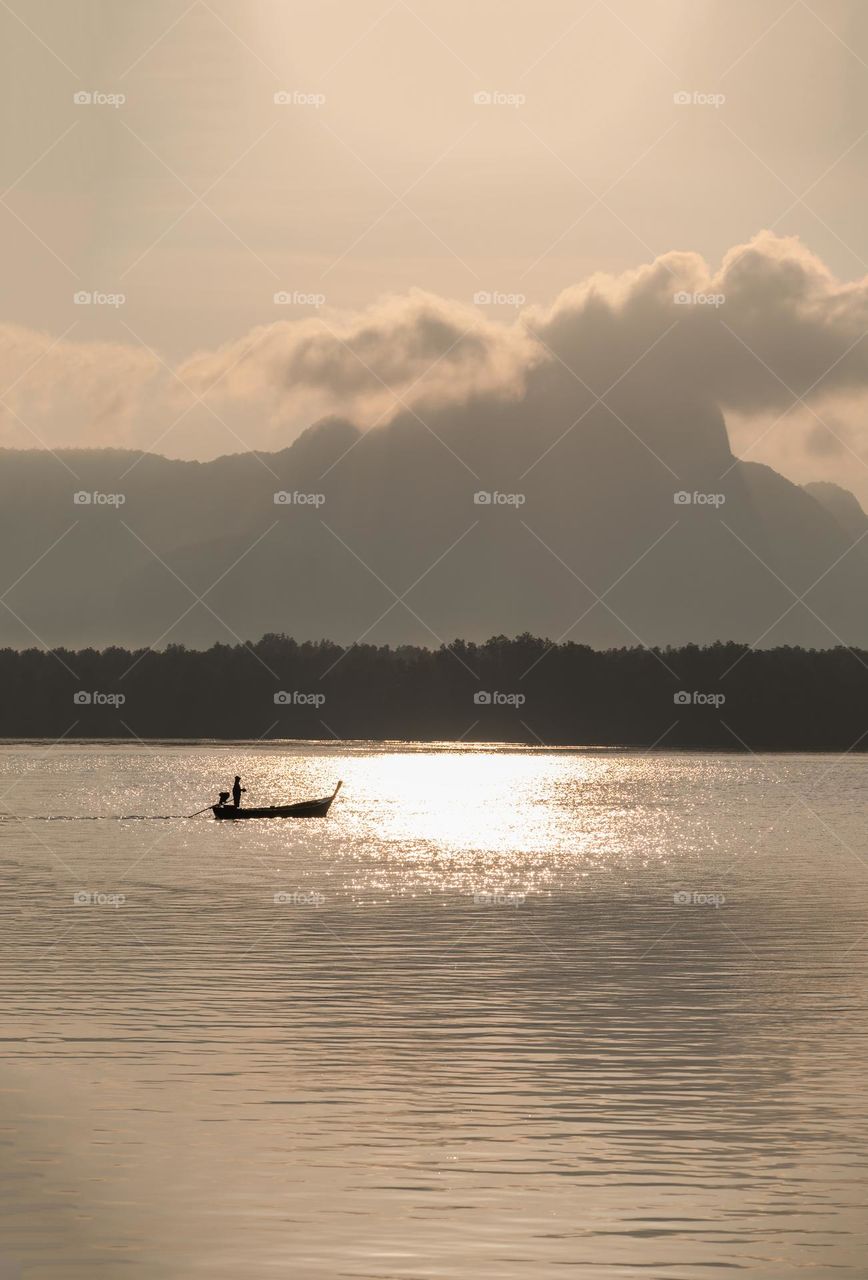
(224,798)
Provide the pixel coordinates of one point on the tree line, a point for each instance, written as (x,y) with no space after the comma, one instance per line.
(523,690)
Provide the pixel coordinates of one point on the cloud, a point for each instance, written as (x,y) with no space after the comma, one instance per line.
(769,324)
(66,394)
(363,366)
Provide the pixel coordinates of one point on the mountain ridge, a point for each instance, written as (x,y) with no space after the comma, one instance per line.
(585,536)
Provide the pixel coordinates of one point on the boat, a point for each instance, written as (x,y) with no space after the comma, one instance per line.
(303,809)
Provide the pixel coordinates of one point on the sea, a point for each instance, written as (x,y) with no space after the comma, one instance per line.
(506,1012)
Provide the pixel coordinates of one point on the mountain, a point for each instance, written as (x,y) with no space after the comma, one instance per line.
(841,505)
(612,523)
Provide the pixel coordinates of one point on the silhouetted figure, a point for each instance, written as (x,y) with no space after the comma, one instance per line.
(224,798)
(237,791)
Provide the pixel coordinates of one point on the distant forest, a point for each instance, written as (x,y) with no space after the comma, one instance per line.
(523,690)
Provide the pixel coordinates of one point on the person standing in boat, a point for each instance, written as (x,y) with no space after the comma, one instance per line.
(237,792)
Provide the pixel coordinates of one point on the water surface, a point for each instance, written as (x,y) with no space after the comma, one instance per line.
(506,1013)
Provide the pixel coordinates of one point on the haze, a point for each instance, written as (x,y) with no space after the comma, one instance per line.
(382,192)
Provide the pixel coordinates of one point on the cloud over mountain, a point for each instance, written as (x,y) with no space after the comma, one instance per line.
(419,347)
(599,421)
(769,325)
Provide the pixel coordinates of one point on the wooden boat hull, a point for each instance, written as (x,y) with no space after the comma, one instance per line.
(303,809)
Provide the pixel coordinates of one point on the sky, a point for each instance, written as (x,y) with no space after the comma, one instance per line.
(278,211)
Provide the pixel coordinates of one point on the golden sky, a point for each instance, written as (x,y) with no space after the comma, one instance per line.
(342,152)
